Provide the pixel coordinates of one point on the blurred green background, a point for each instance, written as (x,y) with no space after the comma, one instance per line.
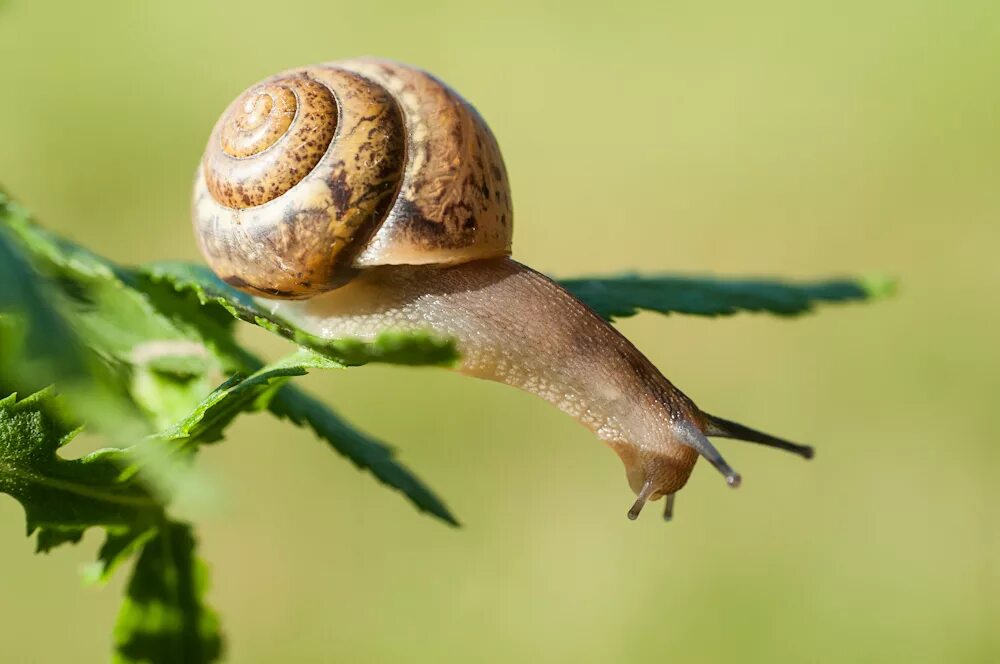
(770,138)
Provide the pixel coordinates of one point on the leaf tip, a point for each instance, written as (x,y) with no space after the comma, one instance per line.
(879,286)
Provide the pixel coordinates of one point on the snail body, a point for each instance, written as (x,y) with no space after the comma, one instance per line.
(364,195)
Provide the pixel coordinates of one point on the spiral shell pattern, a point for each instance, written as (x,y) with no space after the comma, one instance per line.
(318,172)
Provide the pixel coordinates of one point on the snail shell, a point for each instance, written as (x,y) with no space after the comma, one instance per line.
(317,172)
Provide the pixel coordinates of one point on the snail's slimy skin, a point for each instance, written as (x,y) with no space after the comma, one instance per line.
(515,326)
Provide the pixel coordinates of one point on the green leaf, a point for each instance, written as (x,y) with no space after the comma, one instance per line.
(110,328)
(45,337)
(43,243)
(266,388)
(119,546)
(38,346)
(618,297)
(210,290)
(63,496)
(155,369)
(240,394)
(50,538)
(411,348)
(110,316)
(164,619)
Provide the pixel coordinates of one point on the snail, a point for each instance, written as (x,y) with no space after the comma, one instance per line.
(363,195)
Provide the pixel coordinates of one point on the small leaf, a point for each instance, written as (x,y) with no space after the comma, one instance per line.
(38,346)
(156,368)
(50,538)
(64,496)
(118,547)
(105,330)
(618,297)
(117,321)
(46,338)
(164,618)
(210,290)
(207,422)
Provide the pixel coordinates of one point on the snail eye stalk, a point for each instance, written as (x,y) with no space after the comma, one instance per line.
(688,435)
(647,491)
(722,428)
(668,507)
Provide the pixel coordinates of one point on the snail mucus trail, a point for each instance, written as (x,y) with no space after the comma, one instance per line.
(364,195)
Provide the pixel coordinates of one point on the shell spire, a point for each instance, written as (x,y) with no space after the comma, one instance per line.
(317,172)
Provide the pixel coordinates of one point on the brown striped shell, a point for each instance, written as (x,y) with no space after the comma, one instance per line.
(318,172)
